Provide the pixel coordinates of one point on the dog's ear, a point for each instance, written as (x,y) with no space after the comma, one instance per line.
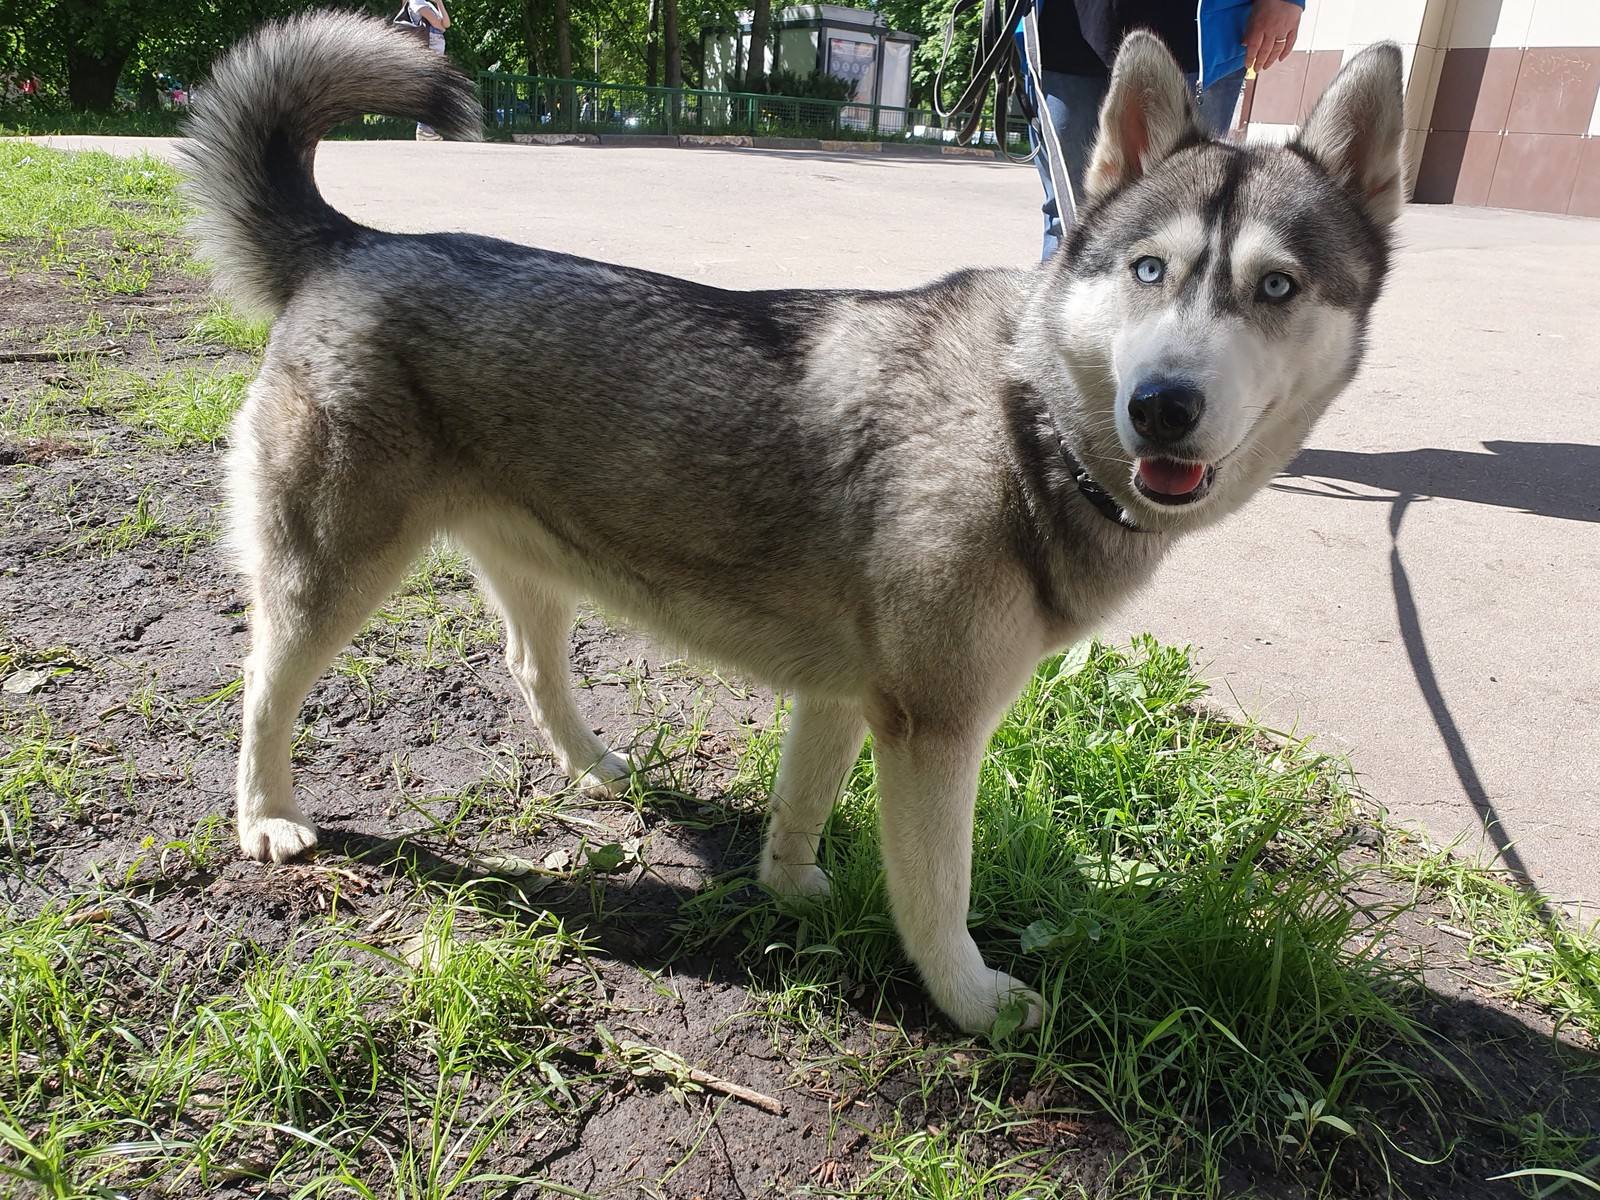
(1147,115)
(1357,128)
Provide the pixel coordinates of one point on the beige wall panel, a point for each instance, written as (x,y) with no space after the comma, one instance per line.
(1492,22)
(1422,80)
(1434,21)
(1586,190)
(1326,25)
(1416,141)
(1565,23)
(1386,20)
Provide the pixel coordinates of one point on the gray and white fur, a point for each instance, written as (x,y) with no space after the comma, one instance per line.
(870,499)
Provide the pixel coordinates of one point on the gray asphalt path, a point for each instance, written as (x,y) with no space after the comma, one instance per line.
(1418,590)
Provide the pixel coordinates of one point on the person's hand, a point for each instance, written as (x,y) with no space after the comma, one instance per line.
(1269,34)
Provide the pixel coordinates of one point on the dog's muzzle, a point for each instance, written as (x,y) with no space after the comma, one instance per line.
(1163,412)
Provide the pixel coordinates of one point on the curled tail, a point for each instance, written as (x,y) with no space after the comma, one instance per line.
(254,133)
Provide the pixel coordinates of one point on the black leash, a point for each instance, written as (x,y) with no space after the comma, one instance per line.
(995,60)
(998,60)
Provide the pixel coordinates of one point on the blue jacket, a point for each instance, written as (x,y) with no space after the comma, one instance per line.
(1222,25)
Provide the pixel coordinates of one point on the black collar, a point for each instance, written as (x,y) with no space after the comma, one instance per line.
(1096,495)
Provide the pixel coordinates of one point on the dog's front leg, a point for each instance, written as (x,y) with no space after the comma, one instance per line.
(927,788)
(824,739)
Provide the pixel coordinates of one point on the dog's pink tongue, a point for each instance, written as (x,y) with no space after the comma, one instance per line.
(1171,478)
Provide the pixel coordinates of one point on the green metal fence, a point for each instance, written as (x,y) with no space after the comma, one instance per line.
(539,104)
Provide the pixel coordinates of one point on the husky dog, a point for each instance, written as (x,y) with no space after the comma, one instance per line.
(891,504)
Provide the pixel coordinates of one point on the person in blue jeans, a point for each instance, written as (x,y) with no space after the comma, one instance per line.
(1215,41)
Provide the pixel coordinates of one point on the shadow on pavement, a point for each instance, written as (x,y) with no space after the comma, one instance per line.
(1548,479)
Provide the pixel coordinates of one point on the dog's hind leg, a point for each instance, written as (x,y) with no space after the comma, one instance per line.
(927,788)
(823,740)
(313,590)
(538,622)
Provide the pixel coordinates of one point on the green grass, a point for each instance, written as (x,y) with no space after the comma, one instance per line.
(1172,882)
(37,416)
(302,1035)
(44,776)
(105,526)
(190,407)
(1541,958)
(34,119)
(113,1075)
(51,193)
(174,408)
(106,225)
(438,603)
(221,325)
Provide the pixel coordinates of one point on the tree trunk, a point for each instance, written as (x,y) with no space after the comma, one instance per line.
(564,38)
(669,38)
(755,74)
(530,36)
(652,45)
(568,117)
(92,78)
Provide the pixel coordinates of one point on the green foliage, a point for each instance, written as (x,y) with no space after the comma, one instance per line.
(813,85)
(927,19)
(147,45)
(74,47)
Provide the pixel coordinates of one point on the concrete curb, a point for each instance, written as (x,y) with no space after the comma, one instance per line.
(739,141)
(555,139)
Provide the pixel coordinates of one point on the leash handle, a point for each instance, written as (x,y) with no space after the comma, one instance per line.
(995,59)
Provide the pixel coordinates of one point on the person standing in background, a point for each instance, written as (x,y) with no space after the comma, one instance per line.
(431,15)
(1214,41)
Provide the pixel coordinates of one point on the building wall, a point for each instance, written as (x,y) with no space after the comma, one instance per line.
(1502,96)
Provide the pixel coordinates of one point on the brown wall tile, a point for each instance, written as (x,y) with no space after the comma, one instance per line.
(1475,89)
(1457,167)
(1556,87)
(1586,188)
(1278,91)
(1535,171)
(1324,65)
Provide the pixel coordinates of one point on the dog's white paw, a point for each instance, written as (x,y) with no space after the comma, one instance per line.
(975,1001)
(277,839)
(608,777)
(803,881)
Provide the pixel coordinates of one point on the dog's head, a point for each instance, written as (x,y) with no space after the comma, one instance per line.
(1214,298)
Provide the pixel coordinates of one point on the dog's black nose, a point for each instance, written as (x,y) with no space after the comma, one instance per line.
(1164,411)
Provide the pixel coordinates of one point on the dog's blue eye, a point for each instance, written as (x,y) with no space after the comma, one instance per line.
(1149,269)
(1275,285)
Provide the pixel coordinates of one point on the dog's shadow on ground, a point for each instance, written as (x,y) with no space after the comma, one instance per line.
(1546,479)
(636,911)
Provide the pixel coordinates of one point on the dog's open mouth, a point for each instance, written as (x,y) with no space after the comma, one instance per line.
(1169,481)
